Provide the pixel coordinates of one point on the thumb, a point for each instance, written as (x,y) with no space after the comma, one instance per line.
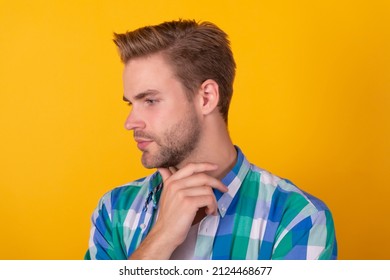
(165,173)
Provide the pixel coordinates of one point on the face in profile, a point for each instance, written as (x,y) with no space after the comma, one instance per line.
(165,122)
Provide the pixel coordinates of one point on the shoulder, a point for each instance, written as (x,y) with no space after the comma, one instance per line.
(284,193)
(300,224)
(124,196)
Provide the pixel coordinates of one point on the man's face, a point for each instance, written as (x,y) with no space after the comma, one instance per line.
(165,123)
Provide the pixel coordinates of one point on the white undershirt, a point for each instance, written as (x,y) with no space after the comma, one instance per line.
(185,251)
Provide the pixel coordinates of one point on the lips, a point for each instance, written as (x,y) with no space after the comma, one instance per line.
(142,143)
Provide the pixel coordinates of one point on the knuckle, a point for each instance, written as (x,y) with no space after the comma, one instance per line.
(210,199)
(181,196)
(185,200)
(173,186)
(208,190)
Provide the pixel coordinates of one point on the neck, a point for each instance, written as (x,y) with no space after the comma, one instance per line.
(215,147)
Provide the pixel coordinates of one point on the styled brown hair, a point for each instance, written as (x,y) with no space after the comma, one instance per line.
(197,52)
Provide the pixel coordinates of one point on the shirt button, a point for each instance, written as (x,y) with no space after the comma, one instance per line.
(223,209)
(142,226)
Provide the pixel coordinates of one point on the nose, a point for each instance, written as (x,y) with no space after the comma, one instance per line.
(133,121)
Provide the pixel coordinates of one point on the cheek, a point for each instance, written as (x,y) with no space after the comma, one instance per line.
(156,126)
(164,116)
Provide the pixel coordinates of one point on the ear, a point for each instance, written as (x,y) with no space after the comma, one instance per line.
(209,96)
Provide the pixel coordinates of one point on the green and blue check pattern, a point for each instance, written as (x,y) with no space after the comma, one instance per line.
(261,217)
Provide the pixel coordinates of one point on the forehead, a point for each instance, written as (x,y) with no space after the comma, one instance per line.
(147,71)
(151,74)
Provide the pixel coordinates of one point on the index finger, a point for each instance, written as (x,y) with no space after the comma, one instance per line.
(193,168)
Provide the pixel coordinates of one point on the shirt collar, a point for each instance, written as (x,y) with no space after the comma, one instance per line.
(232,180)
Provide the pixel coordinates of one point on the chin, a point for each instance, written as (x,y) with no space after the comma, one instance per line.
(149,161)
(149,164)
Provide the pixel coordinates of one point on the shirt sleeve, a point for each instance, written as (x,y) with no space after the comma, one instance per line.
(307,237)
(101,242)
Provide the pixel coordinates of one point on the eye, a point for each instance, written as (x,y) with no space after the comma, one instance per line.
(150,101)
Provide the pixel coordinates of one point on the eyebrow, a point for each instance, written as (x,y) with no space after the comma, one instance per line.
(142,95)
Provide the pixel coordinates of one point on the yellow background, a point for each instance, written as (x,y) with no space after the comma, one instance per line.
(311,104)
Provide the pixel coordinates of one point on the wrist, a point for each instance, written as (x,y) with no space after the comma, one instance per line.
(157,245)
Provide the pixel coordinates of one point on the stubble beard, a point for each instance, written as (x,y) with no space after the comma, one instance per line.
(175,145)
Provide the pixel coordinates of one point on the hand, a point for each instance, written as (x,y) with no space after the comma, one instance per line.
(184,193)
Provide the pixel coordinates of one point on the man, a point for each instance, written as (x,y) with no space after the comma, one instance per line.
(205,201)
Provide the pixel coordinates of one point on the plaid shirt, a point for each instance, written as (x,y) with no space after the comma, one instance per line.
(261,217)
